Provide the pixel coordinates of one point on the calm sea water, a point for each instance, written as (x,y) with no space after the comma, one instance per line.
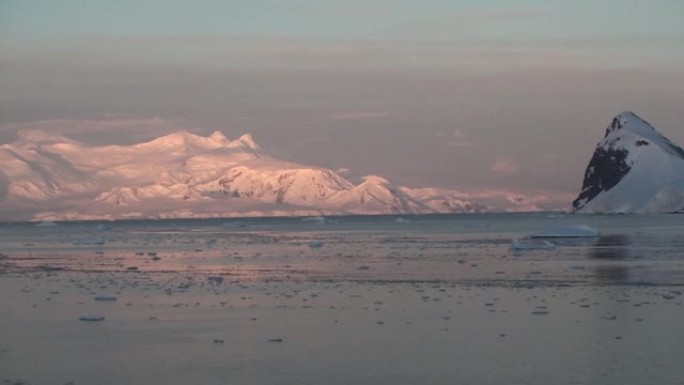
(352,300)
(631,248)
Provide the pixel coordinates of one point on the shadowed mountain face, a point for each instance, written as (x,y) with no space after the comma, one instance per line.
(633,169)
(605,170)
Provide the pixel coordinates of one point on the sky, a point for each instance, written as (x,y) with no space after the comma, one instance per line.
(462,94)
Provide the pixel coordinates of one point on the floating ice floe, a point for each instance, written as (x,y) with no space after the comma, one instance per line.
(567,231)
(531,244)
(90,241)
(401,220)
(215,279)
(105,298)
(102,227)
(315,244)
(317,220)
(91,318)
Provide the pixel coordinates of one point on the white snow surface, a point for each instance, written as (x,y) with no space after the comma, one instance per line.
(655,181)
(49,177)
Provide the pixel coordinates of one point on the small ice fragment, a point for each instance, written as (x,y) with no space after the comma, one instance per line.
(401,220)
(567,231)
(540,312)
(215,279)
(102,227)
(105,298)
(531,244)
(91,318)
(315,244)
(363,267)
(275,340)
(317,220)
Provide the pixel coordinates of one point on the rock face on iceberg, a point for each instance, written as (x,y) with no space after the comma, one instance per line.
(634,169)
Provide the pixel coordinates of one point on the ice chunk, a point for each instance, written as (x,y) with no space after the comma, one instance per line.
(105,298)
(102,227)
(531,244)
(91,318)
(215,279)
(567,231)
(317,220)
(315,244)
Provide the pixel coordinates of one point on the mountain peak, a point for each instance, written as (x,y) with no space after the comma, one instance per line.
(375,179)
(634,168)
(248,141)
(184,140)
(218,136)
(631,121)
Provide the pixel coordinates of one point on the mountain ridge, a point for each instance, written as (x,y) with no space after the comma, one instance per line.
(188,175)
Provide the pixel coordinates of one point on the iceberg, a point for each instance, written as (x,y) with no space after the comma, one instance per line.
(531,244)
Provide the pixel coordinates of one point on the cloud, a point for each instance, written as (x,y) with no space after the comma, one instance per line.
(317,139)
(362,115)
(458,139)
(504,166)
(448,23)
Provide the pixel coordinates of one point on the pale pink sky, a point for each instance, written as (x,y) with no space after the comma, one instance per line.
(506,97)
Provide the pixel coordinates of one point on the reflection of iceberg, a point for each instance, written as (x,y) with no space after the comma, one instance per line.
(614,246)
(567,231)
(531,244)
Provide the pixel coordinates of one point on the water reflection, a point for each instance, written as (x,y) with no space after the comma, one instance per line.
(612,248)
(615,247)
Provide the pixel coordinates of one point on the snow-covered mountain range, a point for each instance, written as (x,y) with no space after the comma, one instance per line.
(634,169)
(46,176)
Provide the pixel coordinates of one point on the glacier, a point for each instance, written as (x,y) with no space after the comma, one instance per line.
(184,175)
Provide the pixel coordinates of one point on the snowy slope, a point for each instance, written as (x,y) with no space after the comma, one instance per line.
(187,175)
(634,169)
